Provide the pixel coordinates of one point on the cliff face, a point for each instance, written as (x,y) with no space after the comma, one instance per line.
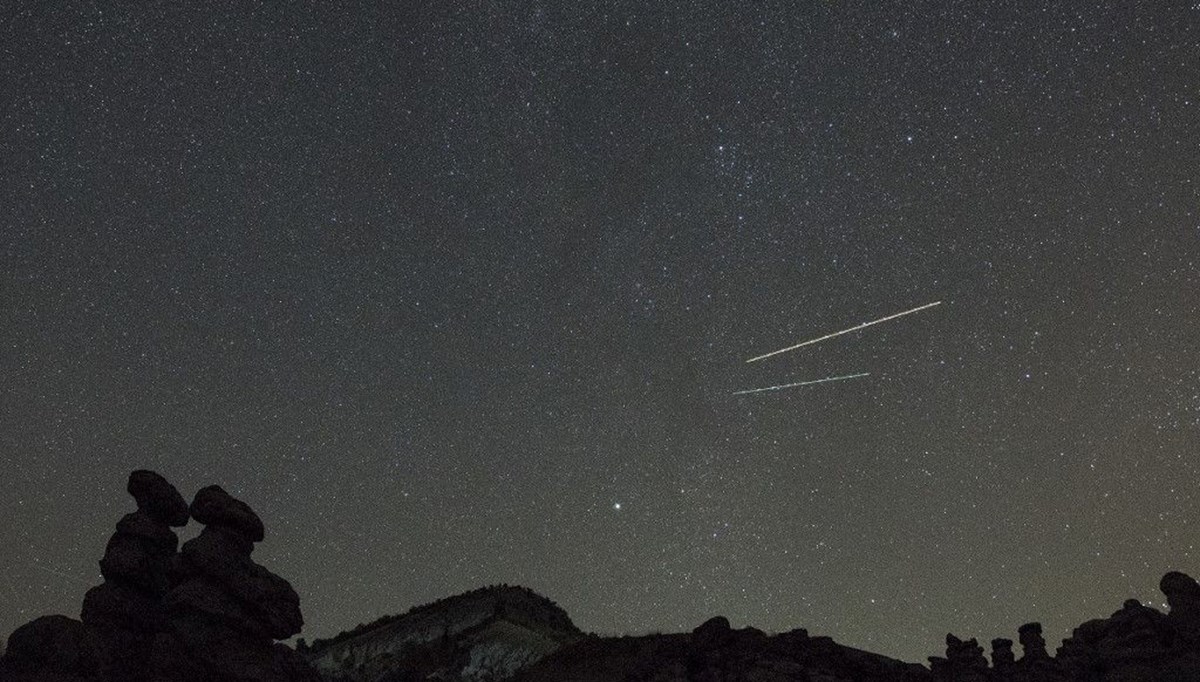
(485,634)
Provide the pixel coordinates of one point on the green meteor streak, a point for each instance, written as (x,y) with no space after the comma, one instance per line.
(803,383)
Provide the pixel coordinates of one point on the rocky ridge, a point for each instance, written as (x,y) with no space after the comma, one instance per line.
(1135,644)
(207,612)
(485,634)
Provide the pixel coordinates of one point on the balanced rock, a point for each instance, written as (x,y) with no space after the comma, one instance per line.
(213,506)
(158,498)
(1183,596)
(1032,643)
(207,614)
(227,607)
(219,558)
(139,553)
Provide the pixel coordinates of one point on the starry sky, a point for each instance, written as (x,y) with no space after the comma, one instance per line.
(456,293)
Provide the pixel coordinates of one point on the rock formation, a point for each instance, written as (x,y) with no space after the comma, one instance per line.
(716,652)
(1002,656)
(1135,644)
(207,614)
(963,661)
(486,634)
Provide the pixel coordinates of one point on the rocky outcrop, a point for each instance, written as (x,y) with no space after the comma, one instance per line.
(225,610)
(716,652)
(1002,656)
(964,660)
(206,614)
(1135,644)
(486,634)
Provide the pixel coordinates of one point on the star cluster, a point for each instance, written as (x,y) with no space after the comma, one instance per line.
(459,293)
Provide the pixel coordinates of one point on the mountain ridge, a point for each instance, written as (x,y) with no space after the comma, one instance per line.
(486,633)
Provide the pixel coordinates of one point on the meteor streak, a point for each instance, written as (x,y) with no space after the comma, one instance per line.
(803,383)
(844,331)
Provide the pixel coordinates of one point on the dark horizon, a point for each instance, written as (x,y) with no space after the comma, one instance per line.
(461,294)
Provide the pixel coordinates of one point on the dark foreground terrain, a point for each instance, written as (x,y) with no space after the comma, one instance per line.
(207,612)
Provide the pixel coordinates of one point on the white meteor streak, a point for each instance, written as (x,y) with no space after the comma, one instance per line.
(803,383)
(844,331)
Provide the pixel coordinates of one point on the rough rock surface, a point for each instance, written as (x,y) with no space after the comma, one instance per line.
(208,614)
(215,507)
(715,652)
(964,660)
(55,645)
(1135,644)
(480,636)
(158,498)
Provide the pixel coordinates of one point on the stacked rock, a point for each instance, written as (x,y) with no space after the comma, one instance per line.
(126,611)
(227,608)
(964,661)
(1032,643)
(1036,664)
(1002,656)
(209,614)
(1079,653)
(1183,596)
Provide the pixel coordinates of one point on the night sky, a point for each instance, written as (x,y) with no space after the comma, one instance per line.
(458,293)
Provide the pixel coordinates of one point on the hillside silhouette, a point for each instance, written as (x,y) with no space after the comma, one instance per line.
(206,612)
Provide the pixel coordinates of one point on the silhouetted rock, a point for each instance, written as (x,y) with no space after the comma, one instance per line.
(227,608)
(139,554)
(55,644)
(206,612)
(1183,596)
(1032,644)
(713,632)
(209,614)
(213,506)
(1002,655)
(158,498)
(714,652)
(964,661)
(116,606)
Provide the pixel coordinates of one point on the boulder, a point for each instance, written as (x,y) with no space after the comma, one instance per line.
(1183,596)
(139,553)
(158,498)
(712,633)
(218,553)
(209,613)
(201,598)
(55,644)
(222,557)
(212,506)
